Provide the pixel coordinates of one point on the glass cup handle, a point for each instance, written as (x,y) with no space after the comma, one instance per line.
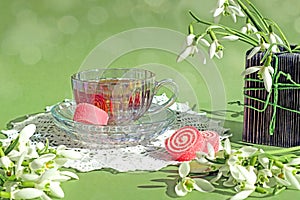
(171,100)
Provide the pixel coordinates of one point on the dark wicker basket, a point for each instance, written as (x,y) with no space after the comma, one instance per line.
(287,126)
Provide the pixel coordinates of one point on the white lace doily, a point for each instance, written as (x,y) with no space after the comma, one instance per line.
(150,157)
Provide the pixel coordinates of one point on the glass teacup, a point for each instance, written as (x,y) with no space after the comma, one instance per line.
(125,93)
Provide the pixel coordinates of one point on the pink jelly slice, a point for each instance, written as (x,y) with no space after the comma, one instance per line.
(90,114)
(184,143)
(211,137)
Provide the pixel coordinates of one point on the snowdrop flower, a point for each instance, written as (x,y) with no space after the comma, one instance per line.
(70,154)
(264,72)
(6,163)
(187,184)
(263,176)
(26,193)
(216,49)
(227,7)
(248,29)
(201,156)
(25,134)
(261,47)
(191,47)
(43,162)
(275,39)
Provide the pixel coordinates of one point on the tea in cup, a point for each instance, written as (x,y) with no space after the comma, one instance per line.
(124,93)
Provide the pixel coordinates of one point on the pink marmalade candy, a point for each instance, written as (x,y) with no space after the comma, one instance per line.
(184,143)
(212,138)
(188,140)
(90,114)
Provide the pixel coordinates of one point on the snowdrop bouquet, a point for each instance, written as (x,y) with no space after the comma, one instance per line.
(247,170)
(29,171)
(263,34)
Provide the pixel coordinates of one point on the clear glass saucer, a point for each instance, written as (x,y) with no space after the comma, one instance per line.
(142,131)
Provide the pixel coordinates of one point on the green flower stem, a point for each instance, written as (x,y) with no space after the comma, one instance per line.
(240,38)
(212,35)
(191,29)
(278,164)
(27,184)
(12,145)
(5,195)
(260,16)
(281,34)
(283,150)
(278,189)
(1,152)
(249,39)
(253,160)
(252,18)
(261,190)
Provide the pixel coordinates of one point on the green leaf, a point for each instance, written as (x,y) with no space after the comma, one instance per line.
(12,145)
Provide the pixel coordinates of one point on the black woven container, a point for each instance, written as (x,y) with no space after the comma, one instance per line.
(287,121)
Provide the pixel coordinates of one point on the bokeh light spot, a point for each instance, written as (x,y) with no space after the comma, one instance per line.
(30,55)
(97,15)
(68,24)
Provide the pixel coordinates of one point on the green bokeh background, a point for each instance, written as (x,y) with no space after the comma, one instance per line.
(43,42)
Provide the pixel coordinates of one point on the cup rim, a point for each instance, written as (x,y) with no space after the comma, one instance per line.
(75,75)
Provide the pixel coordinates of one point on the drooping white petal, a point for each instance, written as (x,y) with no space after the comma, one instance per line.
(227,146)
(204,42)
(218,11)
(233,16)
(45,197)
(221,3)
(49,175)
(216,178)
(219,54)
(267,78)
(271,70)
(56,190)
(19,166)
(231,37)
(70,154)
(295,161)
(254,51)
(184,169)
(30,177)
(248,151)
(251,176)
(203,185)
(190,39)
(70,174)
(291,178)
(26,133)
(5,162)
(180,190)
(264,161)
(239,172)
(61,161)
(230,182)
(184,54)
(212,49)
(46,157)
(282,181)
(237,11)
(27,193)
(251,70)
(278,39)
(211,151)
(242,195)
(36,164)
